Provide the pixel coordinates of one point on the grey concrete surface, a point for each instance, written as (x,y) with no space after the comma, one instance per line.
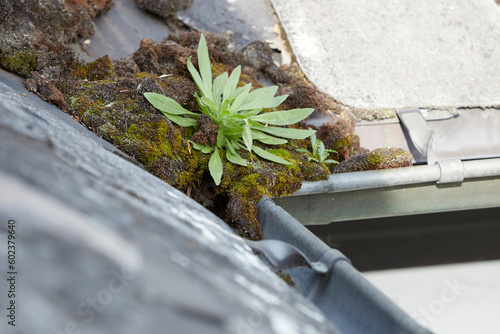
(102,246)
(398,53)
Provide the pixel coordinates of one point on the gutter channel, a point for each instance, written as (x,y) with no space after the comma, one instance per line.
(447,171)
(350,301)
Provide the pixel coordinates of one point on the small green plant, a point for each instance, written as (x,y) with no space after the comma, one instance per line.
(236,112)
(319,152)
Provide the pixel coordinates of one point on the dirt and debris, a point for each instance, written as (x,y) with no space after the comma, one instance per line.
(106,95)
(46,89)
(373,114)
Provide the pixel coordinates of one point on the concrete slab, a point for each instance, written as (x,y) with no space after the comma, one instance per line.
(458,298)
(398,53)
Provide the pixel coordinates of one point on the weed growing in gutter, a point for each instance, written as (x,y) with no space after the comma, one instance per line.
(231,116)
(319,152)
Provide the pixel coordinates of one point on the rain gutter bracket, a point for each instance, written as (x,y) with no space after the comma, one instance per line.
(420,133)
(452,171)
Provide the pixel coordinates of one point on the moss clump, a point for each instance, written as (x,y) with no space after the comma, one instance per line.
(20,61)
(33,33)
(339,135)
(391,157)
(246,185)
(100,69)
(165,8)
(380,158)
(108,97)
(115,108)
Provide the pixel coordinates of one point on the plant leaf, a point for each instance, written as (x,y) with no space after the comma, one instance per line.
(182,121)
(283,117)
(204,65)
(166,104)
(231,83)
(262,98)
(286,132)
(303,150)
(330,161)
(231,128)
(207,149)
(267,139)
(210,105)
(273,141)
(236,145)
(233,156)
(218,88)
(250,112)
(204,109)
(321,151)
(240,98)
(270,156)
(247,136)
(314,143)
(259,98)
(220,139)
(215,166)
(197,79)
(203,148)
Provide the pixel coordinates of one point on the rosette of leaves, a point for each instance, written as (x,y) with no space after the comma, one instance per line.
(319,152)
(237,113)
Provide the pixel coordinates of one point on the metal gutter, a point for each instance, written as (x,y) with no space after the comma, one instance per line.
(352,303)
(448,185)
(447,171)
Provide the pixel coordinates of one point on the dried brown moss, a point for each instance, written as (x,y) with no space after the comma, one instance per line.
(32,31)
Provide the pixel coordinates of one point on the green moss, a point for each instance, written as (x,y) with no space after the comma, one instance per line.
(380,158)
(115,109)
(143,133)
(375,158)
(144,75)
(81,71)
(384,156)
(100,69)
(341,143)
(20,62)
(245,195)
